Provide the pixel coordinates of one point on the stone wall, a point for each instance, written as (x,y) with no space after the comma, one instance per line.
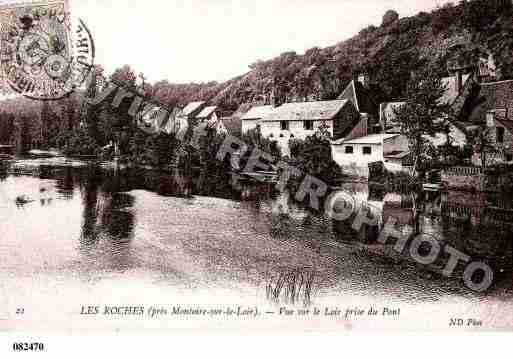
(473,179)
(464,178)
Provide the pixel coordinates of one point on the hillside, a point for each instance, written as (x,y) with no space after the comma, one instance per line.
(389,53)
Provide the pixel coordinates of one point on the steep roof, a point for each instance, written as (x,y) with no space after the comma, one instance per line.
(367,140)
(493,96)
(257,112)
(207,111)
(361,98)
(192,107)
(451,93)
(300,111)
(508,124)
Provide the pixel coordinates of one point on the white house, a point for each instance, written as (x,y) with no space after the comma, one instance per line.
(298,120)
(354,155)
(251,119)
(302,119)
(208,114)
(192,109)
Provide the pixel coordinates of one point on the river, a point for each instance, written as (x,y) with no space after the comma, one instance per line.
(75,234)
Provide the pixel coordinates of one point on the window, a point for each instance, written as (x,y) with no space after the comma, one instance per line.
(367,150)
(500,134)
(308,125)
(284,125)
(349,149)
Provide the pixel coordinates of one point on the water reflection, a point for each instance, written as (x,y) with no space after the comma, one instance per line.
(477,224)
(258,235)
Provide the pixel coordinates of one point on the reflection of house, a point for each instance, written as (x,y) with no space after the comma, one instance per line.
(355,154)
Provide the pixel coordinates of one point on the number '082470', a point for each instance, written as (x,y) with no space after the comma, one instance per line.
(26,347)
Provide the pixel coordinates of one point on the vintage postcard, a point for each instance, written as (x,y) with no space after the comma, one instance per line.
(284,166)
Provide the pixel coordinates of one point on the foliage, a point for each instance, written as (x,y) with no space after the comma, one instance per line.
(422,116)
(390,17)
(482,143)
(254,139)
(7,127)
(80,143)
(313,156)
(389,53)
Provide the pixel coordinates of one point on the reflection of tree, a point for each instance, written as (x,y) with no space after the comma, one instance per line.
(64,183)
(108,225)
(4,168)
(90,189)
(116,221)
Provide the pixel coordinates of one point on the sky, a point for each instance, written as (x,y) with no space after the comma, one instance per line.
(215,40)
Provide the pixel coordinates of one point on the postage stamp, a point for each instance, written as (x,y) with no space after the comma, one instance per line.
(40,57)
(166,179)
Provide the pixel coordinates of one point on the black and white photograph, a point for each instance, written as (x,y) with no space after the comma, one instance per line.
(258,166)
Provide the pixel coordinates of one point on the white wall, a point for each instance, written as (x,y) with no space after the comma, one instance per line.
(248,125)
(357,163)
(458,137)
(394,144)
(296,128)
(394,166)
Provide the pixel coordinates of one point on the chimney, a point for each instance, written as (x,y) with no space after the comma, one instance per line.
(364,79)
(275,94)
(459,81)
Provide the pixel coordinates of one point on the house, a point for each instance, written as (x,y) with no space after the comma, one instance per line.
(493,105)
(359,92)
(232,125)
(208,114)
(212,117)
(192,109)
(302,119)
(251,119)
(354,155)
(458,88)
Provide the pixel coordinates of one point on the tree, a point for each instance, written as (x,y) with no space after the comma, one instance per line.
(255,139)
(313,156)
(24,130)
(390,17)
(125,75)
(6,127)
(482,143)
(49,125)
(422,116)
